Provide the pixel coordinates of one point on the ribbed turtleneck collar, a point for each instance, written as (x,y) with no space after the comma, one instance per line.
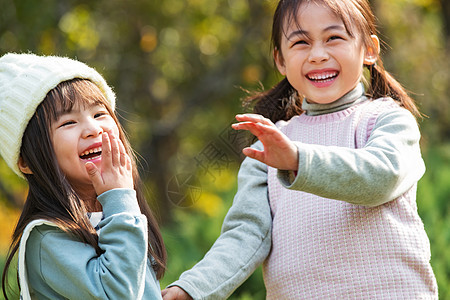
(353,97)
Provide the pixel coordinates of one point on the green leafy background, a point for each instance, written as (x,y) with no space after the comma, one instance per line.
(180,69)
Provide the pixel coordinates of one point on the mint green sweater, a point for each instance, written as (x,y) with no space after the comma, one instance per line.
(59,266)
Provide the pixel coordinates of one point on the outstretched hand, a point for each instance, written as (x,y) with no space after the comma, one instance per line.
(116,170)
(279,151)
(175,293)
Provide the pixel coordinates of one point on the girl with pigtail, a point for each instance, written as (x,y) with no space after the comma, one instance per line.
(326,197)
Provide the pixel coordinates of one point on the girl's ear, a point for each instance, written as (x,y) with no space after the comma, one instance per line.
(279,61)
(372,52)
(23,166)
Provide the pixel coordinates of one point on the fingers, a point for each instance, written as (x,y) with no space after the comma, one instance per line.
(279,151)
(175,293)
(116,166)
(252,122)
(122,154)
(254,118)
(106,148)
(253,153)
(115,151)
(257,129)
(94,174)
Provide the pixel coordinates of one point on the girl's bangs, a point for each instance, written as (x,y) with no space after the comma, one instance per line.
(348,11)
(69,94)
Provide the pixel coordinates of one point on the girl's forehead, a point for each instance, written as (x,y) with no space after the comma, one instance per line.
(300,17)
(77,105)
(313,15)
(86,105)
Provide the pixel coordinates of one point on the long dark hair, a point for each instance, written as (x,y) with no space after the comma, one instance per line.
(50,195)
(282,101)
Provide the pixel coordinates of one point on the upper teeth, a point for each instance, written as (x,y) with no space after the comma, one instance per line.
(322,76)
(93,150)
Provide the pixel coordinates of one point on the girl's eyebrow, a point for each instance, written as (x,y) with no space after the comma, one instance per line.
(297,32)
(67,112)
(305,33)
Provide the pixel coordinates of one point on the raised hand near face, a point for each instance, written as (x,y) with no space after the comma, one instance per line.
(116,169)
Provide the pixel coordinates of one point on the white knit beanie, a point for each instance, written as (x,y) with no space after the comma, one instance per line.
(25,80)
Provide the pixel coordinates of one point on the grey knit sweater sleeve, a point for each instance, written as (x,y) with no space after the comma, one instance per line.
(385,168)
(248,222)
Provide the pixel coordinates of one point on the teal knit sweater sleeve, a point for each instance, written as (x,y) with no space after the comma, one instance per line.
(62,267)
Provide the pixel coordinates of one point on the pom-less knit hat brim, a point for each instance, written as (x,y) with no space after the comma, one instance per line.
(25,80)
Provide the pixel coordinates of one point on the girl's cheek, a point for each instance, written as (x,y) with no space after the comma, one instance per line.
(114,129)
(111,126)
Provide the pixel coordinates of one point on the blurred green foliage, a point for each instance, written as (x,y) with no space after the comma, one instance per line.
(433,196)
(179,69)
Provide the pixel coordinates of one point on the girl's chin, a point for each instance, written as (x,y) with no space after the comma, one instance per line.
(321,101)
(323,96)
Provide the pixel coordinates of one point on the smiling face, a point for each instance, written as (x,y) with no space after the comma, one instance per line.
(77,139)
(78,118)
(319,57)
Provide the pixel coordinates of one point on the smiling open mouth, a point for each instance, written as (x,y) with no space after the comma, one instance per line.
(322,77)
(91,154)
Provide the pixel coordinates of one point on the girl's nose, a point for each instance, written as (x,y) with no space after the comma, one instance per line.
(318,54)
(92,129)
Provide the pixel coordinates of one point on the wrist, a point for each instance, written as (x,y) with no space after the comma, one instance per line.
(119,200)
(293,166)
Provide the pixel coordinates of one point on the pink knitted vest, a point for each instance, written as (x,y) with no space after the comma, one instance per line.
(329,249)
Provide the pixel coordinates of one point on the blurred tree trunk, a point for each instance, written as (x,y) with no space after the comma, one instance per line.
(445,4)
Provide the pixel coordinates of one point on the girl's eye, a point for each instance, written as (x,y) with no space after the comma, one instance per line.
(67,123)
(99,114)
(335,37)
(300,42)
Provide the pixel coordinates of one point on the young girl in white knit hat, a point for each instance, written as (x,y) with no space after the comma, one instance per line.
(86,231)
(327,196)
